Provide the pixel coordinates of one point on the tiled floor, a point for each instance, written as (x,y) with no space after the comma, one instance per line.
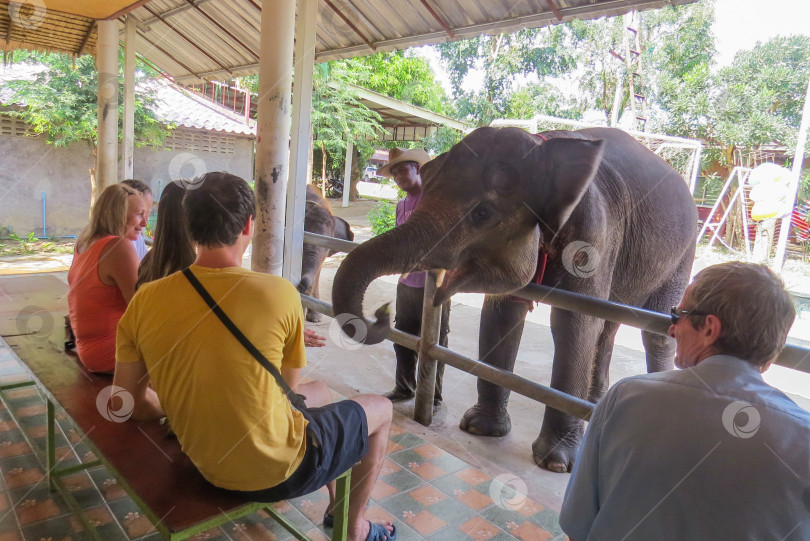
(427,492)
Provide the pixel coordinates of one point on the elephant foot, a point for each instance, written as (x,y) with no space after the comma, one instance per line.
(555,454)
(486,420)
(313,316)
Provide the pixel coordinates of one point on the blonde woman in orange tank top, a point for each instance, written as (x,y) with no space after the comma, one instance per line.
(103,274)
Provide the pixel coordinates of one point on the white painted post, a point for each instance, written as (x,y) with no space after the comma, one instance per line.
(795,176)
(107,69)
(347,171)
(128,149)
(306,24)
(273,134)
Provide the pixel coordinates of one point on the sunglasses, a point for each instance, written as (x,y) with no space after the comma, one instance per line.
(675,314)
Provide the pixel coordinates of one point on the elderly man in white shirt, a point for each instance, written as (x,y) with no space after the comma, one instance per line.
(707,452)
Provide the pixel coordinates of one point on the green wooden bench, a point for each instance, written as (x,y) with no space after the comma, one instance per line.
(147,464)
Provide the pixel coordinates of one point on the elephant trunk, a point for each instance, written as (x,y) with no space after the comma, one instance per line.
(399,250)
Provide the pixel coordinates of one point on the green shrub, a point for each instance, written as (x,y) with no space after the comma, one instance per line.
(382,217)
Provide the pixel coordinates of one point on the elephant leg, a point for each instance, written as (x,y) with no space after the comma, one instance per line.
(575,343)
(312,315)
(600,375)
(660,349)
(502,322)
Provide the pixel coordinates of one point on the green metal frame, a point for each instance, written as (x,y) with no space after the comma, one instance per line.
(55,482)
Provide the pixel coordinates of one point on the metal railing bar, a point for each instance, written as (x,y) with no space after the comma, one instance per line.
(332,243)
(551,397)
(613,311)
(554,398)
(394,335)
(793,356)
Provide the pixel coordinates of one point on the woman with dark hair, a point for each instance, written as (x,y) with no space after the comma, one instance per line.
(103,274)
(173,249)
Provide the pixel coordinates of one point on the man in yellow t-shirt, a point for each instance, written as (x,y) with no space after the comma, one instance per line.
(229,413)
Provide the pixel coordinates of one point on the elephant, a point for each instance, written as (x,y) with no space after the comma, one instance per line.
(611,220)
(318,218)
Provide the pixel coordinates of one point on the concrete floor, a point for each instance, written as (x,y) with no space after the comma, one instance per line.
(371,369)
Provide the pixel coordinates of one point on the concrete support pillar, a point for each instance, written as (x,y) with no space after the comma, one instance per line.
(300,139)
(273,134)
(347,171)
(128,148)
(107,69)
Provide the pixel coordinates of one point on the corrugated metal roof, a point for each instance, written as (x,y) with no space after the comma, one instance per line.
(174,105)
(402,121)
(195,40)
(187,109)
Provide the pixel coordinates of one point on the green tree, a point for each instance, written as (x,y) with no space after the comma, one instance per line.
(404,77)
(336,111)
(761,95)
(61,102)
(678,57)
(336,107)
(502,58)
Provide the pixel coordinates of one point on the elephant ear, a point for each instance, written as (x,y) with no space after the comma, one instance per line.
(429,170)
(566,170)
(343,230)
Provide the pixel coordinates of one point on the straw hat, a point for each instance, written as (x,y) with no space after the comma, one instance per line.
(398,155)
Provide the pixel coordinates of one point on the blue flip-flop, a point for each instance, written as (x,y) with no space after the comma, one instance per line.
(378,532)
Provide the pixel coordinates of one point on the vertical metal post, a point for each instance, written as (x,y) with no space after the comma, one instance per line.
(107,68)
(793,189)
(128,148)
(347,171)
(695,170)
(273,133)
(305,27)
(426,371)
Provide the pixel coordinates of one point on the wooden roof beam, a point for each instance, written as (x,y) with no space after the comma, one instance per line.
(222,28)
(350,24)
(86,38)
(165,52)
(200,49)
(133,7)
(439,19)
(171,12)
(553,7)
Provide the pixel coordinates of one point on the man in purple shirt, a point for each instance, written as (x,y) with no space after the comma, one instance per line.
(404,166)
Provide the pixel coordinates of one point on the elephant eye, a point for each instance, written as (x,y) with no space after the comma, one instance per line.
(481,214)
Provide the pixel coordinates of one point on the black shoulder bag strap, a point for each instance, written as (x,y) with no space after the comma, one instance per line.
(296,400)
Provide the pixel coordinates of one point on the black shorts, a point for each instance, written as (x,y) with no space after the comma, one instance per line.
(337,438)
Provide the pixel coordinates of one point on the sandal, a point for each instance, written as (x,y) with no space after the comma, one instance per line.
(328,520)
(378,532)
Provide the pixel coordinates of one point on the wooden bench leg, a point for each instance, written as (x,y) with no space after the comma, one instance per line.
(341,509)
(50,456)
(340,531)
